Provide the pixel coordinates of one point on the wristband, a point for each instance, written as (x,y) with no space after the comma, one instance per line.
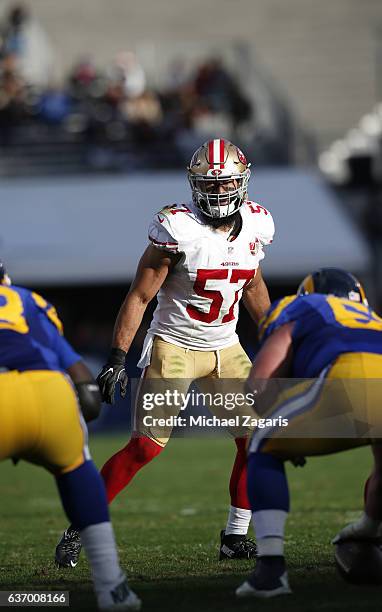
(117,356)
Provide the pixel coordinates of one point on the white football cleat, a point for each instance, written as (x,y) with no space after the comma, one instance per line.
(120,598)
(280,587)
(362,529)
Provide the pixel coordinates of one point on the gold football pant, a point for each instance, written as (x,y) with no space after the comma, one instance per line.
(40,420)
(340,410)
(174,368)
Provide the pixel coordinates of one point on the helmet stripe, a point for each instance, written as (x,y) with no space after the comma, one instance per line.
(221,156)
(211,146)
(216,151)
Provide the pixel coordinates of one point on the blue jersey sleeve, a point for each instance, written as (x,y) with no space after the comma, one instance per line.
(51,323)
(47,310)
(66,353)
(278,314)
(286,310)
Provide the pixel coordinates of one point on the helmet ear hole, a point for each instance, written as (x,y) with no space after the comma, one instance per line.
(218,175)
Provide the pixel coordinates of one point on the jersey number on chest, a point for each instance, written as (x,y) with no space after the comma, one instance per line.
(224,275)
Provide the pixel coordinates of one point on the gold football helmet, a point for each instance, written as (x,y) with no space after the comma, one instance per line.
(218,174)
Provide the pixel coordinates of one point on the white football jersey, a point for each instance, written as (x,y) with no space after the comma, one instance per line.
(198,302)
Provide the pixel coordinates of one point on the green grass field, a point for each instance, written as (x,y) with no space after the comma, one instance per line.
(167,525)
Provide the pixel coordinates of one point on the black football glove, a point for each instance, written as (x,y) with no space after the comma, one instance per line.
(113,372)
(89,398)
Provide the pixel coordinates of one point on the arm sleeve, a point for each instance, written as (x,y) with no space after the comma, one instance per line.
(67,356)
(282,311)
(66,353)
(49,311)
(292,308)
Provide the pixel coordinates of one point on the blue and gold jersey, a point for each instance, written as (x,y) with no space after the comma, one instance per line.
(31,333)
(325,326)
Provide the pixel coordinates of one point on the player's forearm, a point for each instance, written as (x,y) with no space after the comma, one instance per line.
(274,360)
(128,321)
(79,372)
(256,300)
(263,301)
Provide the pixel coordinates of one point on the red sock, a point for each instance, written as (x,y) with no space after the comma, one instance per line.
(238,482)
(122,467)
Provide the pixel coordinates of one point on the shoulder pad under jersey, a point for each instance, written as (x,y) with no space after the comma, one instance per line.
(261,219)
(171,226)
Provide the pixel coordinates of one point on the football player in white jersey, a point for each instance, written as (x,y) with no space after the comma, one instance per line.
(203,257)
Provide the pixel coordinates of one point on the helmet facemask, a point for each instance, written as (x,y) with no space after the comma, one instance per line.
(214,200)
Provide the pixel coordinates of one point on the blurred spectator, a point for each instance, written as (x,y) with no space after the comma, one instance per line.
(215,86)
(54,106)
(85,80)
(25,39)
(128,70)
(84,73)
(13,31)
(177,76)
(144,114)
(105,112)
(206,122)
(145,109)
(12,104)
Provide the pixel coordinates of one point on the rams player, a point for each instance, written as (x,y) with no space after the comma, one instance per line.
(326,332)
(40,422)
(203,257)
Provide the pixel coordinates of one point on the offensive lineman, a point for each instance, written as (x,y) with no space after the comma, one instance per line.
(40,422)
(203,258)
(328,334)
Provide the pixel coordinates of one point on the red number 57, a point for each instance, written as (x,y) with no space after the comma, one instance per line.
(202,277)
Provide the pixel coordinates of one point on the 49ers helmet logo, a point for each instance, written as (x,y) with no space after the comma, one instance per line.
(195,159)
(215,172)
(241,156)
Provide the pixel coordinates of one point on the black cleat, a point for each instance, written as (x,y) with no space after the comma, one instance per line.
(269,579)
(68,549)
(236,547)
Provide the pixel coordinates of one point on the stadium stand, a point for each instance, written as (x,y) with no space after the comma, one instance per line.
(114,118)
(353,166)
